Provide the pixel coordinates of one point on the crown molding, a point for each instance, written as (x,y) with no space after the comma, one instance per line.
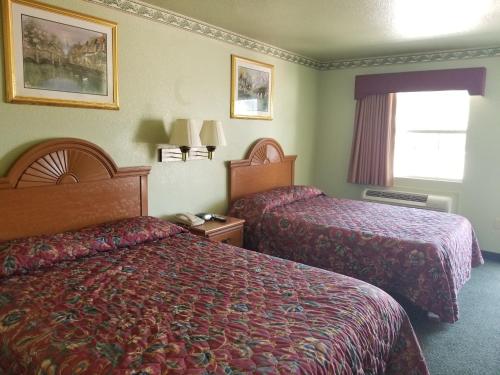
(421,57)
(168,17)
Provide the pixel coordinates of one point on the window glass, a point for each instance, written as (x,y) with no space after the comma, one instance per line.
(431,129)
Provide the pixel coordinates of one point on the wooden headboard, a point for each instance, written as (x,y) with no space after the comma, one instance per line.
(265,167)
(66,184)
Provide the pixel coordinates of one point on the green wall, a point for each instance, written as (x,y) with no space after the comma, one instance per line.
(167,73)
(478,196)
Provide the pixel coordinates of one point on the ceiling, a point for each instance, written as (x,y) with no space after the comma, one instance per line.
(336,29)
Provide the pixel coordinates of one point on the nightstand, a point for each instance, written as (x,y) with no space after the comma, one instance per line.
(230,232)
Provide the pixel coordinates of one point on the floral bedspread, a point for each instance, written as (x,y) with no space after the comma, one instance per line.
(185,305)
(425,256)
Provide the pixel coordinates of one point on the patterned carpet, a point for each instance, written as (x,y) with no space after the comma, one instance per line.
(472,345)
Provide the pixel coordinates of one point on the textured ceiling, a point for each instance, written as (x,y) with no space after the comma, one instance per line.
(336,29)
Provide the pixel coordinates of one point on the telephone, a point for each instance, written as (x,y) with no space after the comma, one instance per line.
(189,219)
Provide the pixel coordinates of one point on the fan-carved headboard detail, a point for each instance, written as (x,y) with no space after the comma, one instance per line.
(266,151)
(265,167)
(63,167)
(66,184)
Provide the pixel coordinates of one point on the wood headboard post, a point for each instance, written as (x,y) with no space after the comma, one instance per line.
(265,167)
(65,184)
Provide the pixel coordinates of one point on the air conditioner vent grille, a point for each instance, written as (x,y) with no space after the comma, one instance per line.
(408,199)
(421,198)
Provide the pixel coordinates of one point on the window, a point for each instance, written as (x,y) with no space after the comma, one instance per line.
(431,131)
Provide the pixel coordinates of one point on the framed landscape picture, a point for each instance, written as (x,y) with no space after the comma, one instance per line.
(251,89)
(58,57)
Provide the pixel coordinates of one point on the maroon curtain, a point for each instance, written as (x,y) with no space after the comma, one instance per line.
(372,153)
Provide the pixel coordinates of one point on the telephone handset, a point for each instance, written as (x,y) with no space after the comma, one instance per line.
(189,219)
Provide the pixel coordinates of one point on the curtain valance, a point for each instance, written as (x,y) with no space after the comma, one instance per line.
(470,79)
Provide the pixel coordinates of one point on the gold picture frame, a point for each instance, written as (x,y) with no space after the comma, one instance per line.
(252,89)
(59,57)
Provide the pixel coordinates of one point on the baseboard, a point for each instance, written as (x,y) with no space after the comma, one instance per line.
(490,255)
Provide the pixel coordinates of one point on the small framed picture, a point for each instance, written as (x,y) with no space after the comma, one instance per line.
(251,89)
(59,57)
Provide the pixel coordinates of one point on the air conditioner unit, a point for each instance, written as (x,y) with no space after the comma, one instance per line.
(402,198)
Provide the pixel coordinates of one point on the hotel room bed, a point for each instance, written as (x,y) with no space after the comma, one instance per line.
(177,303)
(143,296)
(424,256)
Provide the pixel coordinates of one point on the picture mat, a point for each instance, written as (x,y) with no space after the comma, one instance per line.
(239,108)
(20,90)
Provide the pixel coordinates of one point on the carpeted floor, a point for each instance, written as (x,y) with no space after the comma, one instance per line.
(471,346)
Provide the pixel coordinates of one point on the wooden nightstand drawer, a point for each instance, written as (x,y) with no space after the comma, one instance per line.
(230,232)
(232,237)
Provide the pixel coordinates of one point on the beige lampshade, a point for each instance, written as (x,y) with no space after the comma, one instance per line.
(212,133)
(185,132)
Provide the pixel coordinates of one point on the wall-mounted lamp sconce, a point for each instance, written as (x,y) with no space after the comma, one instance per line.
(187,142)
(185,134)
(212,135)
